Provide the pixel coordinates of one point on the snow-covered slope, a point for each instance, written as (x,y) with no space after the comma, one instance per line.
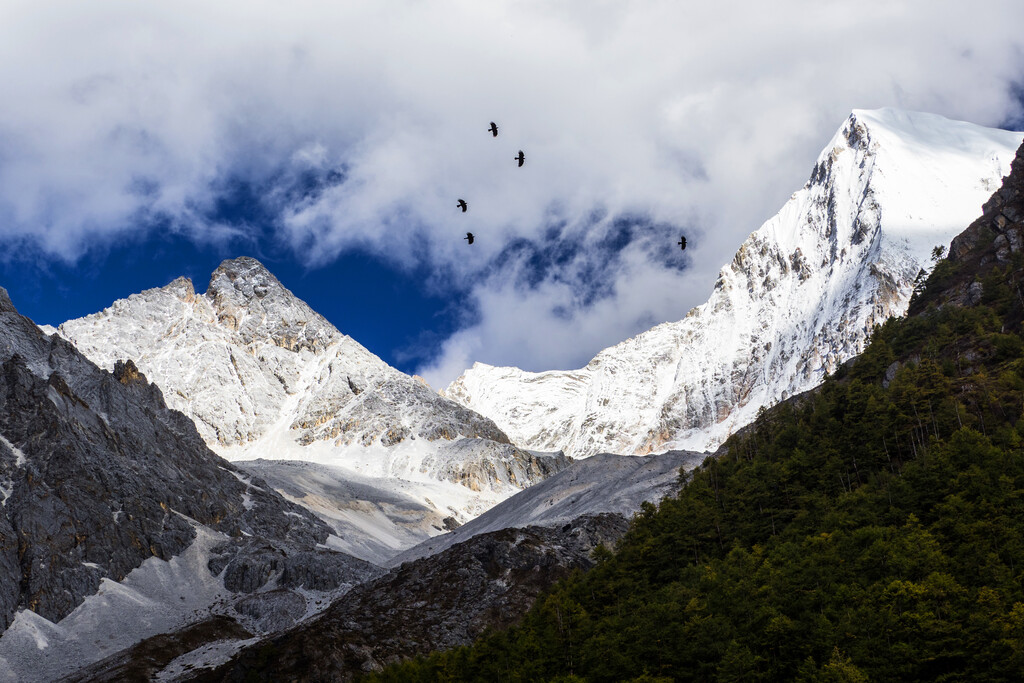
(801,296)
(264,376)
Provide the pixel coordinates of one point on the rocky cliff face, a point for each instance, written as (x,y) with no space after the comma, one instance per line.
(993,241)
(435,603)
(264,376)
(802,295)
(98,476)
(440,594)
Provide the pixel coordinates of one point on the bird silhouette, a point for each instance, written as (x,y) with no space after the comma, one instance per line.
(520,158)
(493,129)
(469,237)
(463,205)
(682,243)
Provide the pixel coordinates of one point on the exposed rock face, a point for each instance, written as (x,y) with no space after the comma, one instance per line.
(248,356)
(264,376)
(445,591)
(802,295)
(152,656)
(478,466)
(434,603)
(98,475)
(996,239)
(484,574)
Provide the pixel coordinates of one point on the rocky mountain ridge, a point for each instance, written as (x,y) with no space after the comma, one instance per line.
(436,603)
(248,354)
(263,376)
(602,484)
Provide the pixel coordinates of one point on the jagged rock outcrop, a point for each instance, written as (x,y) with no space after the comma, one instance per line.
(995,240)
(802,295)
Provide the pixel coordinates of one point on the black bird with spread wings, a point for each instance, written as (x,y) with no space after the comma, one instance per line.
(682,243)
(463,205)
(493,129)
(520,158)
(469,237)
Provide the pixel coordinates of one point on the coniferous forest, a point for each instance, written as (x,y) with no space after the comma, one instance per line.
(872,529)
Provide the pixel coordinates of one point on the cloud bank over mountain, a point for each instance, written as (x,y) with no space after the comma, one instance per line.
(357,126)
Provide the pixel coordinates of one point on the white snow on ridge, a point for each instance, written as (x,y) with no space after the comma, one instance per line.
(7,482)
(932,174)
(263,376)
(801,296)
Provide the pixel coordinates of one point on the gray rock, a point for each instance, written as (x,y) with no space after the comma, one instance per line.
(890,374)
(99,475)
(272,611)
(250,564)
(434,603)
(604,483)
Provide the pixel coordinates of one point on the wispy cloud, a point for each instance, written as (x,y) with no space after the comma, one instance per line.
(358,124)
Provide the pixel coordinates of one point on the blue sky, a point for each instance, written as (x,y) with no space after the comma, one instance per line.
(142,141)
(403,314)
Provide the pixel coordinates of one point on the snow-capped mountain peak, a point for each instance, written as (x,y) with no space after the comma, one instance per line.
(248,299)
(801,295)
(262,375)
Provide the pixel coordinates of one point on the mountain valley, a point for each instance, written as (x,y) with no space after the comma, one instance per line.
(224,486)
(264,377)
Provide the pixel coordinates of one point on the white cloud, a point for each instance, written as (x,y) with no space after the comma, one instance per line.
(706,116)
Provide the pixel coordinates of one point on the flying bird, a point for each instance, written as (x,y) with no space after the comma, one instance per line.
(520,158)
(469,237)
(493,129)
(463,205)
(682,243)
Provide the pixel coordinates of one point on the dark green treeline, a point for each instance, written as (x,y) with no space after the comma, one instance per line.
(870,530)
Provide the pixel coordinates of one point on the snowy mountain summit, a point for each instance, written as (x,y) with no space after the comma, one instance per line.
(248,359)
(801,296)
(262,375)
